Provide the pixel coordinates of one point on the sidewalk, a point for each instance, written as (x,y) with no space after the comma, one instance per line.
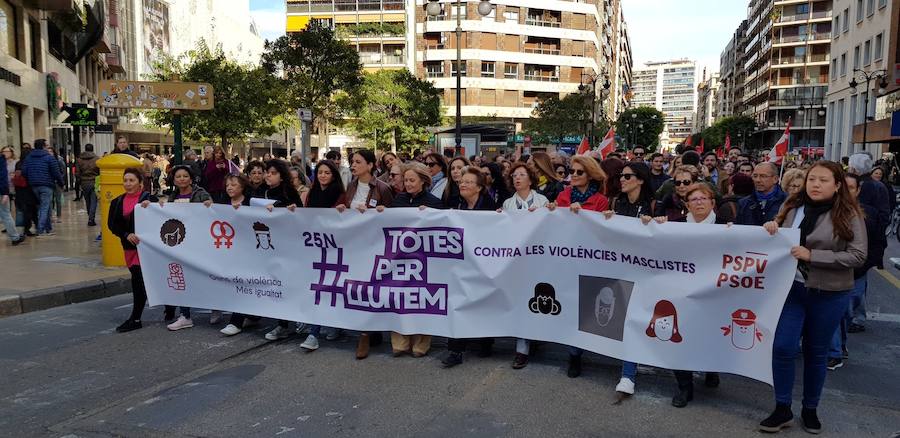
(54,271)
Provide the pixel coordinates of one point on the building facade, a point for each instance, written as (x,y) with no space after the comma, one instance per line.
(707,102)
(671,87)
(860,43)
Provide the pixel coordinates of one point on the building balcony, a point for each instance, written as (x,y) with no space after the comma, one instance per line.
(541,51)
(543,23)
(541,78)
(103,46)
(114,59)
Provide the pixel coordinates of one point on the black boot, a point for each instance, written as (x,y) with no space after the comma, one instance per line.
(685,394)
(780,419)
(712,380)
(811,422)
(574,366)
(127,326)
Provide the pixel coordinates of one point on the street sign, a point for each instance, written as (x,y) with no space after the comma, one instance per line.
(156,95)
(80,115)
(304,114)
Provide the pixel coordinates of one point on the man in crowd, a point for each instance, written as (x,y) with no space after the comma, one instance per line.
(122,147)
(733,154)
(42,172)
(746,168)
(335,157)
(766,200)
(638,154)
(190,160)
(658,175)
(711,162)
(87,169)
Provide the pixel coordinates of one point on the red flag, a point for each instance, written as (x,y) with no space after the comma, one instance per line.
(700,148)
(689,141)
(781,146)
(608,145)
(584,147)
(719,153)
(727,142)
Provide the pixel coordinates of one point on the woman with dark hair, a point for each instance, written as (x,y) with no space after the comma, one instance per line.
(121,223)
(496,183)
(327,192)
(388,160)
(437,167)
(365,191)
(549,183)
(214,175)
(256,178)
(236,187)
(300,182)
(416,180)
(736,187)
(474,195)
(281,194)
(612,167)
(832,245)
(635,198)
(186,191)
(451,192)
(673,206)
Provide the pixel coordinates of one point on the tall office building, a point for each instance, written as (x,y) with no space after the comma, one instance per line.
(707,104)
(669,86)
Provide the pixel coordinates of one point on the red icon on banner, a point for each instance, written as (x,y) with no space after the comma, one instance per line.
(176,276)
(222,231)
(742,329)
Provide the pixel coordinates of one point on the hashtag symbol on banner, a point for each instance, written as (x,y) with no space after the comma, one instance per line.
(324,268)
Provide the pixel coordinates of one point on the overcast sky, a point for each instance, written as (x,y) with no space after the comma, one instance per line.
(659,29)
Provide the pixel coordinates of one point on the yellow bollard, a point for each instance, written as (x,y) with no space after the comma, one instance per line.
(112,167)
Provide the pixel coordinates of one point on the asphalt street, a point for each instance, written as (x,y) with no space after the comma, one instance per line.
(66,373)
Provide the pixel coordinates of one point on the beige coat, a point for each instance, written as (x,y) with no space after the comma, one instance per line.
(832,259)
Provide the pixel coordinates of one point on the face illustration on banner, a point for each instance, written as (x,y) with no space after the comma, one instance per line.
(263,236)
(544,300)
(222,233)
(602,304)
(176,277)
(664,325)
(172,232)
(743,331)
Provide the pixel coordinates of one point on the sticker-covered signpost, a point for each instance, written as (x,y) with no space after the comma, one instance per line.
(166,96)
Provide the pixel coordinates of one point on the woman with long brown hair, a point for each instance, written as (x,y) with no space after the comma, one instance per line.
(832,244)
(214,175)
(549,183)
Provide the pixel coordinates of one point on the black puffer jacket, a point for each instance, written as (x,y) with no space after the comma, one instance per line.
(122,225)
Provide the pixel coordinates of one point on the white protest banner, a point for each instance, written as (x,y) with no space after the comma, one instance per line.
(677,296)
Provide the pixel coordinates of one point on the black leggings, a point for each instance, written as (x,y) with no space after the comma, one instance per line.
(139,292)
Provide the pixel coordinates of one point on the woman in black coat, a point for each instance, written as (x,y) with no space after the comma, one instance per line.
(121,223)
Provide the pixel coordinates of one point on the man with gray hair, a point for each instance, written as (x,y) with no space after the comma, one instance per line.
(763,204)
(190,160)
(871,192)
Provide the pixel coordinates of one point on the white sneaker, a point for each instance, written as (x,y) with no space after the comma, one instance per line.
(230,330)
(277,333)
(311,343)
(625,386)
(180,323)
(215,317)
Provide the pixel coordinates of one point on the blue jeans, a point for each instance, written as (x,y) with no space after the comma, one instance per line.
(8,222)
(44,195)
(813,315)
(90,201)
(857,300)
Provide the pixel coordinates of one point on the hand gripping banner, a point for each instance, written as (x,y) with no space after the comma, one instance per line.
(677,296)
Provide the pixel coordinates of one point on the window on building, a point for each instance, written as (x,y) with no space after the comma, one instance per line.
(870,7)
(845,18)
(863,111)
(882,3)
(463,67)
(860,11)
(843,64)
(35,31)
(879,47)
(511,14)
(803,9)
(458,10)
(856,57)
(834,69)
(511,71)
(867,52)
(13,125)
(487,69)
(837,26)
(8,29)
(434,69)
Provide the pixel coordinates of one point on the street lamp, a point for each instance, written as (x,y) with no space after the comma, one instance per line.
(868,77)
(433,9)
(604,92)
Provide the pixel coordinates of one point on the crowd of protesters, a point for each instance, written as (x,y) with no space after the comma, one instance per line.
(841,210)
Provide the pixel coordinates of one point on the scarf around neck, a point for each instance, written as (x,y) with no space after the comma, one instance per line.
(580,197)
(811,212)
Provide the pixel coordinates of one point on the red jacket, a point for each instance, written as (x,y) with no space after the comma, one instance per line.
(597,202)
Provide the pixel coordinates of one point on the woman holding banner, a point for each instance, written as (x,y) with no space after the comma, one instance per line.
(523,180)
(832,244)
(473,192)
(416,181)
(237,187)
(121,224)
(327,192)
(186,191)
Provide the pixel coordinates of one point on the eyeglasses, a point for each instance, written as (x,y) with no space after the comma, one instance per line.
(431,164)
(578,172)
(638,154)
(627,176)
(698,199)
(684,182)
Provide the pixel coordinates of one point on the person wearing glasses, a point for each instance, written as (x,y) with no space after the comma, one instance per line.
(586,192)
(396,179)
(451,192)
(437,167)
(673,206)
(637,154)
(766,200)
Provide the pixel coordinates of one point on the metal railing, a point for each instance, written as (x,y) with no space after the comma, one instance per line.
(541,51)
(541,78)
(543,23)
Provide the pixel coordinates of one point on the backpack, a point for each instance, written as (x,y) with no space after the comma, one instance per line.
(19,180)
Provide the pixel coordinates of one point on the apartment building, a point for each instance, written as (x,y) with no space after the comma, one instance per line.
(707,104)
(624,64)
(781,69)
(731,68)
(860,44)
(671,87)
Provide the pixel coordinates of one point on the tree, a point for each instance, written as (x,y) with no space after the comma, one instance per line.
(738,127)
(554,118)
(641,126)
(246,100)
(395,107)
(315,68)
